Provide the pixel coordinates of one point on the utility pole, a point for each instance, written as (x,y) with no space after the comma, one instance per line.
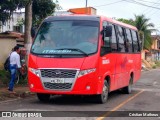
(86,6)
(86,3)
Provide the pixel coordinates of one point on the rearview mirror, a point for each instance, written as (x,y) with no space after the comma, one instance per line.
(108,31)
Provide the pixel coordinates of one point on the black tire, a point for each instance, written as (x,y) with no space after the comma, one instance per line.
(128,89)
(102,98)
(43,97)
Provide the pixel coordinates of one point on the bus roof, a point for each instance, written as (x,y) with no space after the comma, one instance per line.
(88,17)
(118,22)
(73,17)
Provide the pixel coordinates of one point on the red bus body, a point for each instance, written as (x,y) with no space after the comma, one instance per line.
(117,67)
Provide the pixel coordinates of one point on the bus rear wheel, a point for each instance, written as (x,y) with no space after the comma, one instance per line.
(128,89)
(102,98)
(43,97)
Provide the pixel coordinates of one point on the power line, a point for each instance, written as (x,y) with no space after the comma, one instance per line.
(108,4)
(138,3)
(150,6)
(149,2)
(146,10)
(132,1)
(102,4)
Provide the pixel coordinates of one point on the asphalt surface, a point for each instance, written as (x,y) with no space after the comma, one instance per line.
(145,97)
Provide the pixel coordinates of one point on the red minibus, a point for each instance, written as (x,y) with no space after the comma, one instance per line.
(83,55)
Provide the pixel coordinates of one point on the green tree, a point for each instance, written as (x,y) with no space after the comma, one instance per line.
(41,9)
(144,28)
(6,9)
(130,21)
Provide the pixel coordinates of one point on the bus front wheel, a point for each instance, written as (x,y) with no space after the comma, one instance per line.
(43,97)
(102,98)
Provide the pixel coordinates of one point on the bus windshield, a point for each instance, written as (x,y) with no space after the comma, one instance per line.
(71,37)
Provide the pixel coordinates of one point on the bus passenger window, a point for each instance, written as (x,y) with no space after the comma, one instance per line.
(129,47)
(106,39)
(135,41)
(120,35)
(113,39)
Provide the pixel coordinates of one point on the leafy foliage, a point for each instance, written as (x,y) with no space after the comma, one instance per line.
(130,21)
(40,9)
(6,9)
(20,22)
(143,26)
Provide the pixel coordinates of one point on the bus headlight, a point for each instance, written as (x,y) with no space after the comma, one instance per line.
(35,71)
(85,72)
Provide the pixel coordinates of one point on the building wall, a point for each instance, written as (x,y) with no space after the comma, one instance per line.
(155,48)
(143,54)
(8,25)
(88,10)
(6,45)
(155,45)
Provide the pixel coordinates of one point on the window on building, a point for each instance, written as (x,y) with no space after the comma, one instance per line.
(17,28)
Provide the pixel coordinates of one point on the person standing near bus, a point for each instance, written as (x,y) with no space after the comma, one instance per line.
(14,64)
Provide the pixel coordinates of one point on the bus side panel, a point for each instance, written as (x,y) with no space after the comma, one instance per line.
(124,74)
(137,64)
(129,68)
(107,67)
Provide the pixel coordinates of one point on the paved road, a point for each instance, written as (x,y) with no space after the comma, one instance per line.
(145,97)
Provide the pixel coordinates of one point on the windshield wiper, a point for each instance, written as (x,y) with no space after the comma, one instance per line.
(74,49)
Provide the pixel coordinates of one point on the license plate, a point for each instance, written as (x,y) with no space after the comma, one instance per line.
(57,80)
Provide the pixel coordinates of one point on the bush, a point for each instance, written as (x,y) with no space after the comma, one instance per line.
(157,63)
(154,66)
(4,77)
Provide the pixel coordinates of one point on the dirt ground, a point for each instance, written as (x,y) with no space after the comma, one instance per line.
(20,92)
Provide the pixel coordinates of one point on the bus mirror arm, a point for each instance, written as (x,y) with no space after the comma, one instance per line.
(105,50)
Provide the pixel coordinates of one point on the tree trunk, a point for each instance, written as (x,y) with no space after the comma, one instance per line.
(28,25)
(141,34)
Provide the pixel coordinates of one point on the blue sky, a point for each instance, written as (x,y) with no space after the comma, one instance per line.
(119,8)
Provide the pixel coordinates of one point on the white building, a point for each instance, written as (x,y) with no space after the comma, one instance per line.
(15,23)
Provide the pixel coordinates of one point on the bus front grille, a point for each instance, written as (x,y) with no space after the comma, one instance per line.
(58,73)
(50,77)
(58,86)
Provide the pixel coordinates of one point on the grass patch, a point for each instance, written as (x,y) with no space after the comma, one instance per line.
(5,78)
(157,63)
(154,66)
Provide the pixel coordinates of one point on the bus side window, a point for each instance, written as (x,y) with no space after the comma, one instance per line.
(106,39)
(120,36)
(128,41)
(135,41)
(113,39)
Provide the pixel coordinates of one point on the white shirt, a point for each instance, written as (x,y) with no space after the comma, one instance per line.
(15,59)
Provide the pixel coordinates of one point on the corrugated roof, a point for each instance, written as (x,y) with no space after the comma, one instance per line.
(10,34)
